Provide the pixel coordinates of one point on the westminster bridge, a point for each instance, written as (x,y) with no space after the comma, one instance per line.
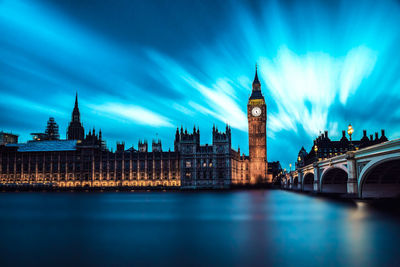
(371,172)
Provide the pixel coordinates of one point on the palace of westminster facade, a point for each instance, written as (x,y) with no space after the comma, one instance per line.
(84,161)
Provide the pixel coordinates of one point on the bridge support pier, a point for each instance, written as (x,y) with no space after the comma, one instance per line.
(300,182)
(352,184)
(352,187)
(316,185)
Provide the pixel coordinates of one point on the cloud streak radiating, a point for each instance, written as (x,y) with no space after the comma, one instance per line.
(309,85)
(136,114)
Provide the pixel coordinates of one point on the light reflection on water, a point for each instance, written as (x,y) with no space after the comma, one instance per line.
(196,228)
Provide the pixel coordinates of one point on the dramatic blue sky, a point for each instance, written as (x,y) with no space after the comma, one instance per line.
(141,68)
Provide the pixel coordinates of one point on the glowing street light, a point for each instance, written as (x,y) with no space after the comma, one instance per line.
(350,131)
(316,150)
(290,167)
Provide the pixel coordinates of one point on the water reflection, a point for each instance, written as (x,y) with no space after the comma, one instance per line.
(195,228)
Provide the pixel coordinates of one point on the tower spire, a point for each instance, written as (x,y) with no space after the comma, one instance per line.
(75,113)
(256,82)
(76,99)
(75,129)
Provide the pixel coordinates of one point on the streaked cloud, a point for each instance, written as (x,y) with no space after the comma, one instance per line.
(306,86)
(357,65)
(219,96)
(133,114)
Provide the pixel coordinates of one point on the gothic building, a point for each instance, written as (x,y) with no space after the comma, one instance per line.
(323,147)
(204,166)
(84,160)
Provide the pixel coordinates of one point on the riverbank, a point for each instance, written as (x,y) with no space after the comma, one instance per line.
(50,188)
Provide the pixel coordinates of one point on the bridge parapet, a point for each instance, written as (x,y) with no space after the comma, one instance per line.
(352,168)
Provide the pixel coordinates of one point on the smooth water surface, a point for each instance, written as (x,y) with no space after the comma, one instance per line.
(237,228)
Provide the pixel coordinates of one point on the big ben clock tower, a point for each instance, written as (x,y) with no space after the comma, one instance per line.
(257,119)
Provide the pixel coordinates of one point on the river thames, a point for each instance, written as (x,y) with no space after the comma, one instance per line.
(237,228)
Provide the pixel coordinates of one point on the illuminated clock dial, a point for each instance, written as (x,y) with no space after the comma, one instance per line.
(256,111)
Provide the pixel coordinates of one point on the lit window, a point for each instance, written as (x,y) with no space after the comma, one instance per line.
(188,164)
(210,165)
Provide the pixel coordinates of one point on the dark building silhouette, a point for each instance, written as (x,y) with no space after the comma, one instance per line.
(75,129)
(52,130)
(326,148)
(8,138)
(50,133)
(93,139)
(274,168)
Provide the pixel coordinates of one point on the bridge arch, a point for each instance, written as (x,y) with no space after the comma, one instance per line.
(380,178)
(334,180)
(289,181)
(308,181)
(295,182)
(336,166)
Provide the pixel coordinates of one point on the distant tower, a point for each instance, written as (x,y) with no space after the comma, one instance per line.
(52,130)
(156,146)
(257,120)
(75,129)
(143,146)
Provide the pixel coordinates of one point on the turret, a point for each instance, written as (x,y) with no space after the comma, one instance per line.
(177,134)
(344,138)
(177,139)
(143,146)
(383,137)
(120,146)
(156,146)
(364,142)
(222,137)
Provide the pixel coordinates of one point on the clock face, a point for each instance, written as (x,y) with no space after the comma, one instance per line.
(256,111)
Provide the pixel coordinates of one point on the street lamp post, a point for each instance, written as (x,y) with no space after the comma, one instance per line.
(350,131)
(284,174)
(316,150)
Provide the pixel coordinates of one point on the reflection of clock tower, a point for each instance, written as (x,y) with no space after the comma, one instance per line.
(257,118)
